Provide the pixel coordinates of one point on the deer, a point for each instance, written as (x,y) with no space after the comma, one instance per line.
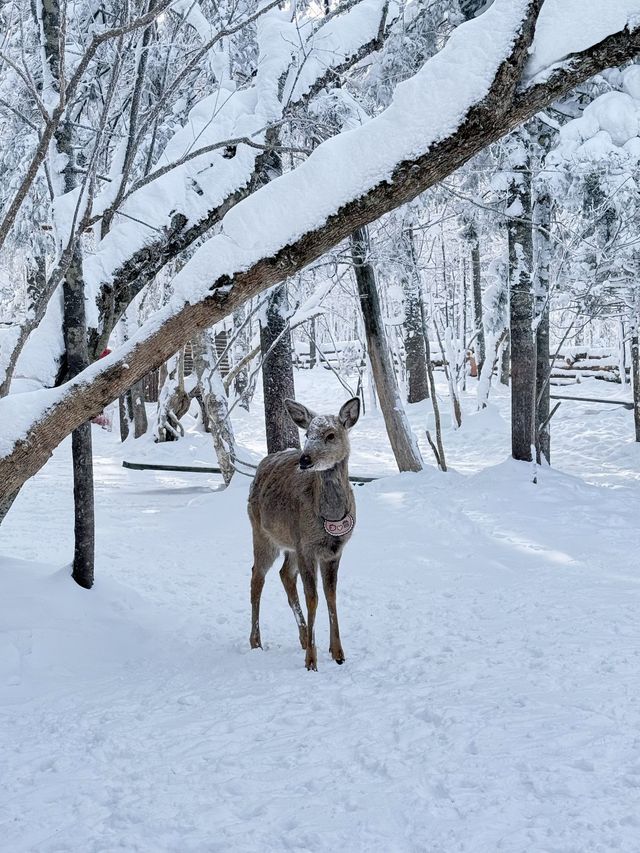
(302,503)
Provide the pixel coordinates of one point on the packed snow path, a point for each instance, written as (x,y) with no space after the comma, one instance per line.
(490,700)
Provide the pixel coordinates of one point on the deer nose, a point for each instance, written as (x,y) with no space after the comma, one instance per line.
(305,461)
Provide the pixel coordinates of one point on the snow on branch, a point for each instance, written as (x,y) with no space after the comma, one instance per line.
(295,52)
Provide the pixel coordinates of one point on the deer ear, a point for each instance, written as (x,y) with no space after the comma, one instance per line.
(350,413)
(299,414)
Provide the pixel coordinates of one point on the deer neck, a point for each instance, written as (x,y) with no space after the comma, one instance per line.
(334,492)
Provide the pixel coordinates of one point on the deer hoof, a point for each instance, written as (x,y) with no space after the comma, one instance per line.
(311,660)
(255,642)
(338,656)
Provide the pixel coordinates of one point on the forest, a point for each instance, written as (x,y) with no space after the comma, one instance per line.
(391,248)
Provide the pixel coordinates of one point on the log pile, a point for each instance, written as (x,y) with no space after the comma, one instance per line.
(573,365)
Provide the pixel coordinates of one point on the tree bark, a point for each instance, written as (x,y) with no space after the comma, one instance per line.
(213,402)
(133,412)
(173,401)
(521,302)
(635,363)
(401,438)
(543,356)
(505,361)
(240,350)
(74,327)
(277,373)
(415,355)
(77,356)
(313,352)
(476,290)
(439,450)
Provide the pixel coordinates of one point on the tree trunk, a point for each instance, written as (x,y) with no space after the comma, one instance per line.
(622,353)
(140,420)
(173,401)
(401,438)
(77,356)
(439,447)
(133,412)
(240,349)
(277,373)
(213,400)
(313,351)
(416,359)
(505,361)
(635,363)
(476,288)
(74,327)
(523,342)
(543,355)
(275,344)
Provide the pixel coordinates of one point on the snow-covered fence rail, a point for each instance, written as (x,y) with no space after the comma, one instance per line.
(206,469)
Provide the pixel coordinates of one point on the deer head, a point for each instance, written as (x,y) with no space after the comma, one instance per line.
(327,436)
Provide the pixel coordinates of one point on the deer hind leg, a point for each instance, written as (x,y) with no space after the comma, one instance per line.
(289,577)
(329,571)
(264,554)
(308,573)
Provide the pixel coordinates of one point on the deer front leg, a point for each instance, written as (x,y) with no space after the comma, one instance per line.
(288,576)
(329,571)
(308,573)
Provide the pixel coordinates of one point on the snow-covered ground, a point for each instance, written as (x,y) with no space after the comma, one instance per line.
(491,696)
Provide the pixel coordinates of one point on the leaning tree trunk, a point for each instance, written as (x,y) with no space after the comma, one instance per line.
(277,373)
(416,358)
(401,438)
(523,342)
(543,355)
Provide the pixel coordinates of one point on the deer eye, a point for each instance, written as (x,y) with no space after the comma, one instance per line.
(330,436)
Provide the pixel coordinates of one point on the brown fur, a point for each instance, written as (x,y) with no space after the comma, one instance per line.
(287,509)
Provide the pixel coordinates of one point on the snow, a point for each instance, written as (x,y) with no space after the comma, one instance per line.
(489,700)
(9,336)
(568,26)
(607,131)
(340,36)
(40,357)
(204,182)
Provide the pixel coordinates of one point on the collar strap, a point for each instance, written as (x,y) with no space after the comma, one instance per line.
(339,528)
